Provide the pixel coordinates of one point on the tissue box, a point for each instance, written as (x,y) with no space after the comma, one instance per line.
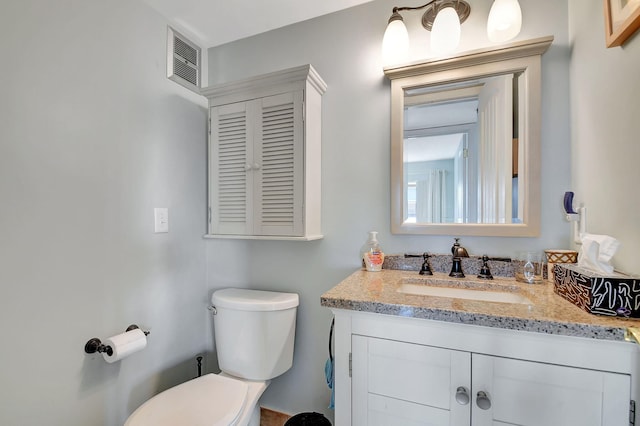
(612,294)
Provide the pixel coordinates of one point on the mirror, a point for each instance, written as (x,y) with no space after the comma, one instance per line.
(465,143)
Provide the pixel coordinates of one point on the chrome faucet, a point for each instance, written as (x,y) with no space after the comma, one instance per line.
(458,252)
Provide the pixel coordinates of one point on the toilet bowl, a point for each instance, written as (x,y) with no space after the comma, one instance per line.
(254,334)
(210,400)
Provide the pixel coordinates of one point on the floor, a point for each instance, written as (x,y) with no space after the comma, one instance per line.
(272,418)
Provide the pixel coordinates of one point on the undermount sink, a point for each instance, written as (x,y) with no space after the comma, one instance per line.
(470,290)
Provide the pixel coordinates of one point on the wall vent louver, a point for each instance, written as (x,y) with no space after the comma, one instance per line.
(183,60)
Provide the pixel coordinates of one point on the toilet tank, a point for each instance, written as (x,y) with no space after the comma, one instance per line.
(254,332)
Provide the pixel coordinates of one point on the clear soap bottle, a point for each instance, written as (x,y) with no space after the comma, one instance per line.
(372,254)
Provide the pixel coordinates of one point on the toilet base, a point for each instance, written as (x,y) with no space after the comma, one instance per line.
(255,417)
(250,415)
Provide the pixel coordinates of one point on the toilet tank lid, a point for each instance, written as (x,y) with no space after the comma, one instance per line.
(254,300)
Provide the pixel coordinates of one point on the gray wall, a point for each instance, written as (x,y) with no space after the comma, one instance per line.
(345,49)
(605,141)
(92,138)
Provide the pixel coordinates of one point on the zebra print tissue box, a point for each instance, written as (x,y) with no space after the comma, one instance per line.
(612,295)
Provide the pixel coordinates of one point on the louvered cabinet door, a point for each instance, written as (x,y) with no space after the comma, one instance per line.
(278,166)
(231,157)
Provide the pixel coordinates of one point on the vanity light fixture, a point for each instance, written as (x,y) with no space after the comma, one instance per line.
(505,20)
(443,19)
(445,33)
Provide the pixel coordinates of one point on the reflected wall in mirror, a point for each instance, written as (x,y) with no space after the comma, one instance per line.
(465,143)
(458,154)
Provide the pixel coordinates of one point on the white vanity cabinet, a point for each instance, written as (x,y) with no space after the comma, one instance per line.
(264,156)
(405,371)
(398,383)
(535,393)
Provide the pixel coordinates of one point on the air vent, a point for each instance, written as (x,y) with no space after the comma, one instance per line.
(183,60)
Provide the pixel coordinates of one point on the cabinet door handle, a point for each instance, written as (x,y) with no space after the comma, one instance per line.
(256,166)
(483,401)
(462,395)
(247,167)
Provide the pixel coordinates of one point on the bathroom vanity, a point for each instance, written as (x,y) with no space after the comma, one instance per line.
(417,350)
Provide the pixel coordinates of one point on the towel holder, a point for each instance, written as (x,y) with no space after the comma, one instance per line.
(579,218)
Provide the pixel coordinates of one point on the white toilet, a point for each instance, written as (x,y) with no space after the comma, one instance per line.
(254,333)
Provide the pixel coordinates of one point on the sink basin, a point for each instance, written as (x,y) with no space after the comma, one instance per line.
(470,290)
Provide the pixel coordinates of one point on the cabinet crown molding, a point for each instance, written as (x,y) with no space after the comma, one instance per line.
(273,80)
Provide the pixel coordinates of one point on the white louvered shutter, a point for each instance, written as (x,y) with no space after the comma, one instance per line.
(278,171)
(231,157)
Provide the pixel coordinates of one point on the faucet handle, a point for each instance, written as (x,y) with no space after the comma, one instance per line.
(426,269)
(485,272)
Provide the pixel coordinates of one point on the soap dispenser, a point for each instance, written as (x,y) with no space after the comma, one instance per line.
(371,253)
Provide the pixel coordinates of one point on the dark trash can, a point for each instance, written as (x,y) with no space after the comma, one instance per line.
(308,419)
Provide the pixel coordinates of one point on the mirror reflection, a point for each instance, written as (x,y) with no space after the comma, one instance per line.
(460,152)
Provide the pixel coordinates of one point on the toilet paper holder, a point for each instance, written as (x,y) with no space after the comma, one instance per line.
(95,345)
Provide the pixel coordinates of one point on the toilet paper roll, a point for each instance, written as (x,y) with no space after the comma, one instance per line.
(125,344)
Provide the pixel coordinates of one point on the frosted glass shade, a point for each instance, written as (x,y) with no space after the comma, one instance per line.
(505,20)
(445,34)
(395,43)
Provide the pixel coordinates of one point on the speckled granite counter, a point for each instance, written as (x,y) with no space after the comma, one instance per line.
(549,313)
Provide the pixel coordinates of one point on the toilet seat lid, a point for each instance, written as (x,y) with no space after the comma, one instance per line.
(210,400)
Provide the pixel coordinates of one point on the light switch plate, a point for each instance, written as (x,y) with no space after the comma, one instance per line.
(161,219)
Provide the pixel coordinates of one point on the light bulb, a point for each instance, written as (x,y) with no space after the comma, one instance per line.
(395,43)
(445,33)
(505,20)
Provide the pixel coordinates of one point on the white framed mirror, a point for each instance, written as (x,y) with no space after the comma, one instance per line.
(465,143)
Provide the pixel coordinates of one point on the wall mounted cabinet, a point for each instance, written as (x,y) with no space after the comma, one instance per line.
(265,156)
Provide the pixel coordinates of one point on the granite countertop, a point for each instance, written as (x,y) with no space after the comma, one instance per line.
(548,313)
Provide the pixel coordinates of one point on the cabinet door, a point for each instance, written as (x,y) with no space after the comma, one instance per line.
(278,165)
(231,158)
(403,384)
(534,394)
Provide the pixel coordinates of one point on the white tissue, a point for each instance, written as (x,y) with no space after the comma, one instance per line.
(596,252)
(125,344)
